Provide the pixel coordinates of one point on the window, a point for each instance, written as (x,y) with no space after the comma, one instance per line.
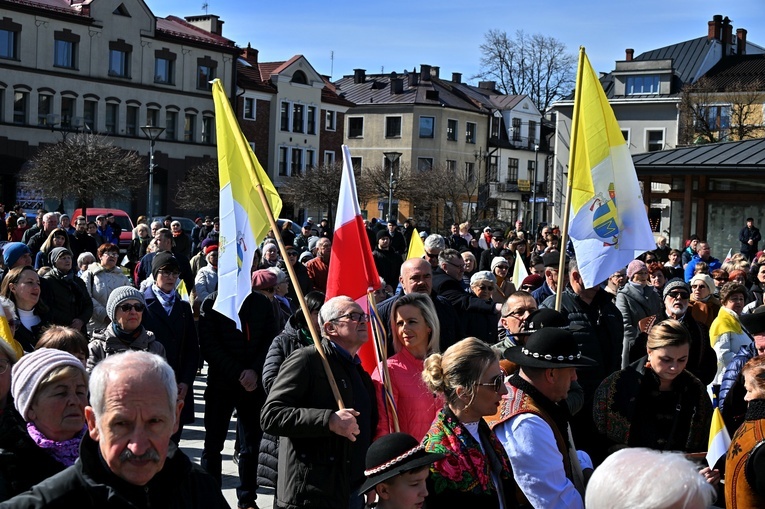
(67,111)
(207,130)
(530,169)
(297,161)
(65,49)
(163,71)
(451,166)
(330,120)
(205,72)
(171,125)
(424,163)
(451,130)
(285,116)
(329,157)
(491,169)
(532,132)
(91,108)
(356,163)
(392,127)
(9,39)
(311,120)
(642,85)
(496,122)
(654,140)
(283,154)
(298,111)
(152,116)
(516,129)
(310,158)
(626,134)
(355,127)
(300,78)
(249,108)
(44,108)
(119,58)
(470,172)
(512,171)
(20,107)
(188,127)
(112,117)
(131,121)
(427,127)
(717,119)
(470,132)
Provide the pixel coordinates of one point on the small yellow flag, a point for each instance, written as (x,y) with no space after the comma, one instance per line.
(416,247)
(7,336)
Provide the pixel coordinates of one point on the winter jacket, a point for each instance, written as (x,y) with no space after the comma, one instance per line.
(478,317)
(388,264)
(205,283)
(177,333)
(81,243)
(317,468)
(706,311)
(105,342)
(137,249)
(182,245)
(67,299)
(635,303)
(745,235)
(713,263)
(727,336)
(302,279)
(732,391)
(416,406)
(89,483)
(100,283)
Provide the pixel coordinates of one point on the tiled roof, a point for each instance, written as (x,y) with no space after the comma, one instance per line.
(739,157)
(178,27)
(737,71)
(62,6)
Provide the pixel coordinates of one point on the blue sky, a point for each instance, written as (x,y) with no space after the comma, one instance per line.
(397,35)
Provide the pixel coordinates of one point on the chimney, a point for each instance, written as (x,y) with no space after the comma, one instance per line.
(209,22)
(434,71)
(715,27)
(424,72)
(359,75)
(741,41)
(629,53)
(456,77)
(727,36)
(396,84)
(488,85)
(414,78)
(250,54)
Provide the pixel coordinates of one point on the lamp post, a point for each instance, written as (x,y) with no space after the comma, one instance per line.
(392,157)
(152,132)
(534,194)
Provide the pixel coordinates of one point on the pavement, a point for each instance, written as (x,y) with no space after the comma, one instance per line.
(192,443)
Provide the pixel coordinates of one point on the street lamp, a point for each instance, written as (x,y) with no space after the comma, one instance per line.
(152,132)
(392,157)
(534,194)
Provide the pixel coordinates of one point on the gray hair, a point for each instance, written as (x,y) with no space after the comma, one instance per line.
(147,364)
(49,215)
(657,480)
(422,302)
(435,241)
(270,246)
(332,309)
(87,256)
(482,275)
(448,255)
(156,224)
(281,277)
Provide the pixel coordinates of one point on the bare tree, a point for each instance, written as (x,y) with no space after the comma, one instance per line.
(709,113)
(84,166)
(535,65)
(318,186)
(199,190)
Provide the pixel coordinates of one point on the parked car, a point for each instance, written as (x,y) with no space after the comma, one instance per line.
(120,217)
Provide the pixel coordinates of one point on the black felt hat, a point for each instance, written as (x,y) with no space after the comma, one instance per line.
(541,318)
(549,348)
(754,322)
(394,454)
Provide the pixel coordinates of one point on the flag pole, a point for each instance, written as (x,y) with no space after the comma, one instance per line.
(569,188)
(381,353)
(301,298)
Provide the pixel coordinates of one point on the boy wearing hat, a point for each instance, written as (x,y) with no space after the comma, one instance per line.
(532,423)
(396,469)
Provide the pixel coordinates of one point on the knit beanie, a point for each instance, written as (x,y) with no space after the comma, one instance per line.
(312,241)
(498,260)
(381,234)
(163,259)
(634,267)
(57,253)
(305,256)
(707,280)
(32,369)
(673,284)
(13,251)
(120,295)
(533,280)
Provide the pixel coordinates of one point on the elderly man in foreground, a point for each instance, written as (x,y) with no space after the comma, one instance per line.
(126,458)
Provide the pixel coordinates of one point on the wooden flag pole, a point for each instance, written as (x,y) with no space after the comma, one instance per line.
(569,190)
(381,352)
(301,298)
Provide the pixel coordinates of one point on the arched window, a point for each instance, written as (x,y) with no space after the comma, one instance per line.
(300,77)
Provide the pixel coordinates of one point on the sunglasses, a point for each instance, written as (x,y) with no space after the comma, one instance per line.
(431,256)
(484,287)
(292,253)
(496,383)
(698,287)
(502,267)
(127,307)
(678,295)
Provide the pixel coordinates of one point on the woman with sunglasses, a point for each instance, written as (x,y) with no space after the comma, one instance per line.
(504,286)
(101,279)
(125,309)
(477,321)
(476,471)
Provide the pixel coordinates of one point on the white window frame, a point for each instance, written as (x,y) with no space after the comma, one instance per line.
(627,133)
(329,157)
(454,134)
(663,132)
(330,120)
(468,138)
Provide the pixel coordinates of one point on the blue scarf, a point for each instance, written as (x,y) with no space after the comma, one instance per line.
(166,299)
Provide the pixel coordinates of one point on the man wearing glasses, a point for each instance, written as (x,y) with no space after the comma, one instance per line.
(323,449)
(497,241)
(702,360)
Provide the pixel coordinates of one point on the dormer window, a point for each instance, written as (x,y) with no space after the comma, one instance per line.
(299,77)
(641,85)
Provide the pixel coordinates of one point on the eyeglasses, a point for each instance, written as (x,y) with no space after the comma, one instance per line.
(169,273)
(519,313)
(111,254)
(678,295)
(496,383)
(485,287)
(4,365)
(125,308)
(355,316)
(460,267)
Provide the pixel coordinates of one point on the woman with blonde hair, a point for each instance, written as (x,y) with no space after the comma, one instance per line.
(476,471)
(416,333)
(57,238)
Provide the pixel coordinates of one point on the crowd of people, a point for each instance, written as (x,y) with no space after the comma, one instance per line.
(489,394)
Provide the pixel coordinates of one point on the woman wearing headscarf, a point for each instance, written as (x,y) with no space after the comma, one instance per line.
(704,305)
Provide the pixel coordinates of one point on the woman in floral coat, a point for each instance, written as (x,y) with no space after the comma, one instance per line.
(476,471)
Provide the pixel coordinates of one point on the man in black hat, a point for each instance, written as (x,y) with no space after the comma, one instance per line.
(532,423)
(497,239)
(387,261)
(551,261)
